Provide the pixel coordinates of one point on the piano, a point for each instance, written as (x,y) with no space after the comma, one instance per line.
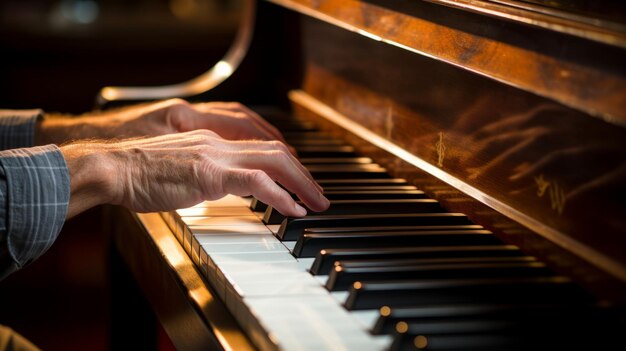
(474,155)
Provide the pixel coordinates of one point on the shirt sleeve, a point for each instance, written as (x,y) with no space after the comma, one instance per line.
(17,128)
(34,198)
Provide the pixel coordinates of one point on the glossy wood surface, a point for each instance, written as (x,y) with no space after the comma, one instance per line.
(178,294)
(584,74)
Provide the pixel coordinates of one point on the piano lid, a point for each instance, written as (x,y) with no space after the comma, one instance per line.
(558,52)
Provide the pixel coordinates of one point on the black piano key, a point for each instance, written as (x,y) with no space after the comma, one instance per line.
(538,333)
(373,295)
(297,143)
(257,205)
(356,193)
(373,188)
(445,342)
(391,228)
(464,326)
(326,258)
(330,183)
(370,171)
(334,160)
(526,313)
(376,206)
(308,245)
(342,277)
(325,151)
(292,129)
(292,228)
(431,261)
(307,134)
(374,194)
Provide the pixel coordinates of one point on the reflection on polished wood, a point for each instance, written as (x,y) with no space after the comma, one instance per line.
(550,64)
(183,302)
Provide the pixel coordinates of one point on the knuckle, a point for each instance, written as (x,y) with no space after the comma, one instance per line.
(177,101)
(206,134)
(279,145)
(235,105)
(180,106)
(281,156)
(240,115)
(257,177)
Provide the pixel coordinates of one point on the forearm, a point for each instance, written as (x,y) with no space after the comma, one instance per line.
(58,129)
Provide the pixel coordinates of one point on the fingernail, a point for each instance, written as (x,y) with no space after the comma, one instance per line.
(300,211)
(324,201)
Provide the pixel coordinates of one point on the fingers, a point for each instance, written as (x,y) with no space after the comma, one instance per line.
(274,161)
(258,184)
(275,146)
(237,107)
(232,121)
(241,116)
(289,172)
(251,167)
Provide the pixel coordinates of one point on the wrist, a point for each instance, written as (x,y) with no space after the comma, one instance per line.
(92,175)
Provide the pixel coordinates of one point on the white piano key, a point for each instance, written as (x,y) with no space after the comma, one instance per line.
(253,257)
(247,247)
(290,245)
(306,262)
(340,296)
(294,283)
(273,227)
(231,229)
(226,201)
(311,323)
(220,221)
(383,341)
(175,226)
(214,211)
(245,262)
(204,263)
(322,279)
(367,318)
(168,219)
(186,242)
(281,267)
(247,201)
(215,239)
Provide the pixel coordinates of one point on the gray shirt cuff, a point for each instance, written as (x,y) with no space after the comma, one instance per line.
(34,198)
(17,128)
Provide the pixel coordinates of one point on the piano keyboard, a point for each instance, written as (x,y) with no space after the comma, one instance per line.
(385,268)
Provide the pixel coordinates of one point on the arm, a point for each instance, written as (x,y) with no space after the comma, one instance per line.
(152,174)
(180,170)
(231,121)
(41,186)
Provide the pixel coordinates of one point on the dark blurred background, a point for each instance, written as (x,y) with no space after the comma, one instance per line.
(56,55)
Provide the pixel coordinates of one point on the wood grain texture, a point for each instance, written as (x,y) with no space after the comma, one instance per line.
(576,72)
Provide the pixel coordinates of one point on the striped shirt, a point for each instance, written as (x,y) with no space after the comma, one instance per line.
(34,192)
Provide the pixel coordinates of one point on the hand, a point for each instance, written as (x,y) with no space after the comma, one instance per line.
(230,120)
(180,170)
